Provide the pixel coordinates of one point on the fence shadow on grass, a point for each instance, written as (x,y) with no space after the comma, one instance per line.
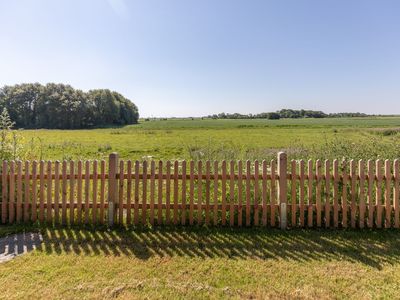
(372,248)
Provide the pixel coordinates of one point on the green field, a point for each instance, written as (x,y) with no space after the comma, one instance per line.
(218,139)
(200,263)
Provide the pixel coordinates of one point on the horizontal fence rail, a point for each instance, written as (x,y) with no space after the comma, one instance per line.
(277,193)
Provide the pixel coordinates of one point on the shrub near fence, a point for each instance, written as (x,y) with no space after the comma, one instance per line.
(277,193)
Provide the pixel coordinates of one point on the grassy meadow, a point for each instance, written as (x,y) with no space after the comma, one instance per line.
(200,263)
(221,139)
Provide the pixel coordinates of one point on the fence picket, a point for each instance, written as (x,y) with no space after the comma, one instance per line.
(215,211)
(318,172)
(27,191)
(344,194)
(208,184)
(223,194)
(152,190)
(19,191)
(378,194)
(129,192)
(248,170)
(302,192)
(371,179)
(361,174)
(191,192)
(176,189)
(160,193)
(120,193)
(34,191)
(94,192)
(256,193)
(310,180)
(87,191)
(64,193)
(56,192)
(335,193)
(183,192)
(327,194)
(232,193)
(353,193)
(273,192)
(293,181)
(144,193)
(79,193)
(72,192)
(199,193)
(388,199)
(168,194)
(4,192)
(41,190)
(396,194)
(137,183)
(264,193)
(49,192)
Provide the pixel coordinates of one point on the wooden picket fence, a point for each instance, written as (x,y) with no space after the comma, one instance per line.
(277,193)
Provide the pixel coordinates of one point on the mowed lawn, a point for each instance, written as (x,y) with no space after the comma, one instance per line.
(201,263)
(173,139)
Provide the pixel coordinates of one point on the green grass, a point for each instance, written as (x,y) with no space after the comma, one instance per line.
(190,263)
(176,139)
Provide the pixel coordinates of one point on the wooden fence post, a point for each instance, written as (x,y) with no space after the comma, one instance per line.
(112,186)
(282,191)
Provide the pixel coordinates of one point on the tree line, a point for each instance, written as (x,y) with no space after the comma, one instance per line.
(60,106)
(286,113)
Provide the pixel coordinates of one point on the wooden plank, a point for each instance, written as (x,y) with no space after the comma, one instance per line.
(353,211)
(191,193)
(19,191)
(282,191)
(183,192)
(370,199)
(102,190)
(361,193)
(26,191)
(378,195)
(94,192)
(176,192)
(310,210)
(232,193)
(199,193)
(344,194)
(388,195)
(327,194)
(129,193)
(318,168)
(64,193)
(152,190)
(240,194)
(160,192)
(49,193)
(208,184)
(79,192)
(56,192)
(248,193)
(112,196)
(137,183)
(168,193)
(396,193)
(336,193)
(223,194)
(4,192)
(144,193)
(215,213)
(256,193)
(41,190)
(87,191)
(264,193)
(273,192)
(302,192)
(34,191)
(71,192)
(293,180)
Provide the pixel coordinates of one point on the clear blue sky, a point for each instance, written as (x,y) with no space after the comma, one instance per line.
(192,58)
